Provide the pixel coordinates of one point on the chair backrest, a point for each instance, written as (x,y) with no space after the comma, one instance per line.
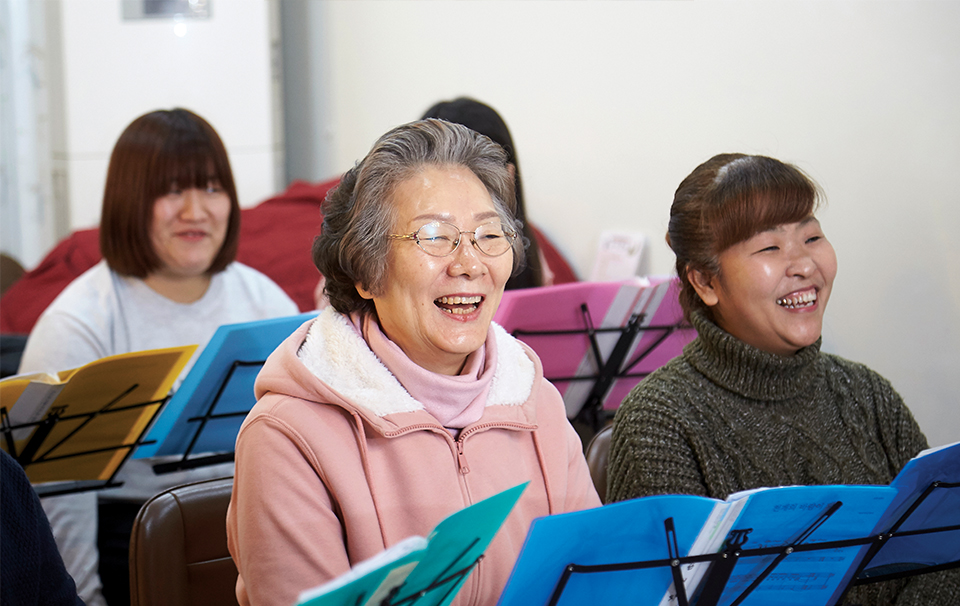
(598,450)
(178,548)
(10,272)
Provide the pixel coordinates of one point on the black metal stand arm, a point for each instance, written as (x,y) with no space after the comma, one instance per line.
(191,462)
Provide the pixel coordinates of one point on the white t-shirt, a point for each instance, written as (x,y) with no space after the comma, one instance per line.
(102,313)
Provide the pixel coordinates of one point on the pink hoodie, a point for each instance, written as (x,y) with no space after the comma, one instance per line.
(331,471)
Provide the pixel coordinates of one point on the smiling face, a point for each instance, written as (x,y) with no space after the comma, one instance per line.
(438,309)
(773,288)
(187,230)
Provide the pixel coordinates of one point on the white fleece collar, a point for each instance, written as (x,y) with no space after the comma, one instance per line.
(335,353)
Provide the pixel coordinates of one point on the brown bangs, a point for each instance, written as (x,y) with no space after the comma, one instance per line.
(187,159)
(755,193)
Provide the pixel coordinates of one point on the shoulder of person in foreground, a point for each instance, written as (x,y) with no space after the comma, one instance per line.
(32,570)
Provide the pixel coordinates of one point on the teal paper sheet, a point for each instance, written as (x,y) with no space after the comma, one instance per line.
(441,566)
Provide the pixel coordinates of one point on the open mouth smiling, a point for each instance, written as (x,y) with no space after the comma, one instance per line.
(459,306)
(800,301)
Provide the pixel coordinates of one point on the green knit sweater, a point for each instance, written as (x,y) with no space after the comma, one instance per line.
(726,416)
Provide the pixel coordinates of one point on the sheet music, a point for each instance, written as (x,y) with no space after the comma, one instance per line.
(407,546)
(710,540)
(32,405)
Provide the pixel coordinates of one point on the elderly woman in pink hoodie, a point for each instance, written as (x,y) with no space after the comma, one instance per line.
(402,402)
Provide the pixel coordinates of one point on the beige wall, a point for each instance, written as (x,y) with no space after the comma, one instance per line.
(611,104)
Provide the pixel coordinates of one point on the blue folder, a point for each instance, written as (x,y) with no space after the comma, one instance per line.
(939,509)
(630,546)
(218,386)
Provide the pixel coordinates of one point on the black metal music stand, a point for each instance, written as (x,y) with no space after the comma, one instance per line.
(41,449)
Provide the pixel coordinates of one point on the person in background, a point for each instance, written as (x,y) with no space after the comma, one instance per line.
(402,402)
(31,570)
(168,235)
(752,401)
(485,120)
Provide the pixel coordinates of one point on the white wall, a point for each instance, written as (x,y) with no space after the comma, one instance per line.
(611,104)
(115,70)
(31,222)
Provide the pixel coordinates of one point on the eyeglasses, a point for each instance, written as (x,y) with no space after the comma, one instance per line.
(439,239)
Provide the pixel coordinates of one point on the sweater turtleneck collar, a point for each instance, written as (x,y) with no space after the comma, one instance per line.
(746,370)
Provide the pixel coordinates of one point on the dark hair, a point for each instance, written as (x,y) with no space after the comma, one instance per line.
(155,151)
(352,247)
(726,200)
(485,120)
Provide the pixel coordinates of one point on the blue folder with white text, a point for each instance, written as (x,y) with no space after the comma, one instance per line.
(656,530)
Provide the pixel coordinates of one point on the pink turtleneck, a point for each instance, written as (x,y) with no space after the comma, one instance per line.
(455,401)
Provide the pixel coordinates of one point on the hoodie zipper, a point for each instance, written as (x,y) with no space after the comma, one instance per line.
(462,466)
(462,458)
(461,455)
(472,583)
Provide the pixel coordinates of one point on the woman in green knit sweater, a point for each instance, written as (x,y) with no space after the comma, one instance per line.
(753,401)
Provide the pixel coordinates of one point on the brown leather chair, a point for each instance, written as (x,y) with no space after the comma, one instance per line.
(598,450)
(178,548)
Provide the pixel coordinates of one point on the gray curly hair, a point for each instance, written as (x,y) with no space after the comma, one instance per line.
(358,215)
